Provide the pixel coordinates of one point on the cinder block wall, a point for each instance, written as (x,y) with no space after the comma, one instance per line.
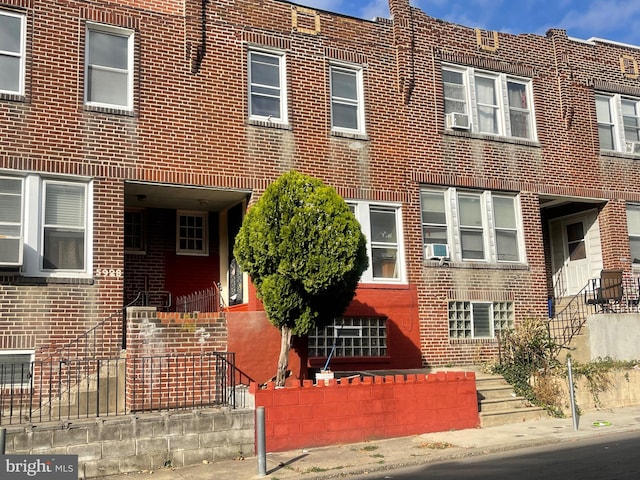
(111,446)
(349,411)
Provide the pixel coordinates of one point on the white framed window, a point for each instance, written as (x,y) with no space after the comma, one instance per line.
(382,226)
(192,233)
(633,227)
(12,53)
(479,319)
(109,67)
(11,227)
(352,336)
(267,86)
(489,102)
(477,226)
(45,225)
(15,368)
(347,99)
(618,122)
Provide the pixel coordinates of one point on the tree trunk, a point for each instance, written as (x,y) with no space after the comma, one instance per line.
(283,361)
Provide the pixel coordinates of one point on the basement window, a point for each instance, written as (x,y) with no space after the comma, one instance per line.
(469,320)
(15,368)
(352,336)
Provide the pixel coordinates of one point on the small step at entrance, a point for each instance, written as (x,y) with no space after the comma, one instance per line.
(499,405)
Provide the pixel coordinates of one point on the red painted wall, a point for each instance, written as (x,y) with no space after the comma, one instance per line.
(256,342)
(371,408)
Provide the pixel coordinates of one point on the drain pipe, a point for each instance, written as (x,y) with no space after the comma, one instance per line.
(3,437)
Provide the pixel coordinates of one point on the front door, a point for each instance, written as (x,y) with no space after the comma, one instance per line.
(576,251)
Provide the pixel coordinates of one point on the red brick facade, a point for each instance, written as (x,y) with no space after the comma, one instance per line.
(360,410)
(186,144)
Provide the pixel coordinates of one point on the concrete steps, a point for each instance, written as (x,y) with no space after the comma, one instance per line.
(499,405)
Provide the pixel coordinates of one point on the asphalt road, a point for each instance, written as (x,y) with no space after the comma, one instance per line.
(603,458)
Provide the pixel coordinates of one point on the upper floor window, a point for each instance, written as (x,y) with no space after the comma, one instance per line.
(347,105)
(267,87)
(471,225)
(192,233)
(12,53)
(44,226)
(109,67)
(618,123)
(382,225)
(633,226)
(488,102)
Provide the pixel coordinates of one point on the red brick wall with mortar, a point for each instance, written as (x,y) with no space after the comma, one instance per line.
(171,357)
(187,135)
(366,409)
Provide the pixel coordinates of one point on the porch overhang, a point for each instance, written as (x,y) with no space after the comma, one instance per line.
(181,197)
(548,201)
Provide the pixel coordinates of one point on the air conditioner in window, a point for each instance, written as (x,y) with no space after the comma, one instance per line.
(632,147)
(457,121)
(437,251)
(10,251)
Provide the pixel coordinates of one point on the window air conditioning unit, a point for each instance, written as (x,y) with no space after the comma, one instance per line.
(457,121)
(633,147)
(10,251)
(437,251)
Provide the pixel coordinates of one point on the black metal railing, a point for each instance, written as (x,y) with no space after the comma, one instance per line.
(57,390)
(207,300)
(568,321)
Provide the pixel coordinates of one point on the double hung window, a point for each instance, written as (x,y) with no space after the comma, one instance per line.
(109,67)
(488,102)
(476,225)
(347,105)
(618,123)
(382,226)
(267,86)
(633,226)
(44,225)
(12,53)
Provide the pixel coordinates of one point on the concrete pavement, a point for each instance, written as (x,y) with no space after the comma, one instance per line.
(342,461)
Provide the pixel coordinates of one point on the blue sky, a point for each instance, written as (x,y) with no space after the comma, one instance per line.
(617,20)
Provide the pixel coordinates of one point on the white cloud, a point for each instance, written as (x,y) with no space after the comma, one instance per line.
(376,8)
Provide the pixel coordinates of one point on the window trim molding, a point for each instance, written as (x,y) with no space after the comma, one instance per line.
(205,232)
(501,80)
(361,130)
(123,32)
(362,212)
(33,211)
(615,110)
(263,120)
(22,55)
(453,232)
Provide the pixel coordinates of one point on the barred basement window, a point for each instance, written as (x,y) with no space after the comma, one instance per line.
(358,337)
(479,319)
(15,368)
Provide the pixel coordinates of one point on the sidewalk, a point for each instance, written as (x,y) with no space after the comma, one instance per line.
(353,459)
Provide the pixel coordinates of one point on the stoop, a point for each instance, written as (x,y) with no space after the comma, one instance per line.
(499,405)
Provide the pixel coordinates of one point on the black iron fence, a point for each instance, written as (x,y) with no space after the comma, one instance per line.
(596,297)
(207,300)
(55,390)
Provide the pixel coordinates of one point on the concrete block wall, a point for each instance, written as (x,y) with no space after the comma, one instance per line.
(117,445)
(357,410)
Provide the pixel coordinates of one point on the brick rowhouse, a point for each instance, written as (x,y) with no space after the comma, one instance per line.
(182,146)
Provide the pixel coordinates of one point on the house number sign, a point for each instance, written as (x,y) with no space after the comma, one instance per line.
(105,272)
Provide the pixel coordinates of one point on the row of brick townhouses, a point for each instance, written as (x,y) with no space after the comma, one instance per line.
(489,171)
